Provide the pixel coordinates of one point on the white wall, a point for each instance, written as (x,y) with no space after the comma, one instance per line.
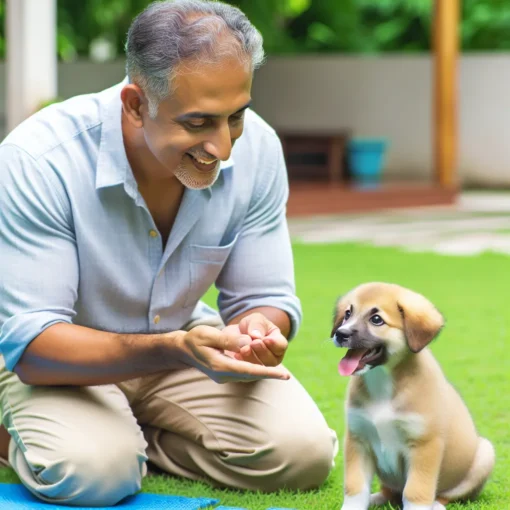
(388,96)
(485,120)
(391,96)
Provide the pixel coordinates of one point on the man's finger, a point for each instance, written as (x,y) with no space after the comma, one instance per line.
(276,343)
(256,325)
(264,354)
(232,339)
(252,371)
(247,354)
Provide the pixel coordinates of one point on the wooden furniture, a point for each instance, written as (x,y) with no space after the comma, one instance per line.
(315,156)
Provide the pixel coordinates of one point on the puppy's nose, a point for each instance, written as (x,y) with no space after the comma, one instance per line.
(342,336)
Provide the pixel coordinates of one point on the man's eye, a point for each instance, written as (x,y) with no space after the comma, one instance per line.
(236,118)
(199,124)
(376,320)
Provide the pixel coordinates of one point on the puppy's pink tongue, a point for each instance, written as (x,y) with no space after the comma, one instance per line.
(350,361)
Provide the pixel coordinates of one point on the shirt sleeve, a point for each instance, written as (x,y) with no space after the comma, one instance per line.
(260,268)
(38,254)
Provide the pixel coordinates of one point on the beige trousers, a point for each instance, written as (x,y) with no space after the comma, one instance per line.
(88,446)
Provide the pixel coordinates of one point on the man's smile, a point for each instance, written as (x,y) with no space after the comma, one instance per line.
(203,165)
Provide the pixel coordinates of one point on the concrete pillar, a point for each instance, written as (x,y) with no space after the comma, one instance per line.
(31,44)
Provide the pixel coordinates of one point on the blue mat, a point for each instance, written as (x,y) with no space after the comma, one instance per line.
(230,508)
(16,497)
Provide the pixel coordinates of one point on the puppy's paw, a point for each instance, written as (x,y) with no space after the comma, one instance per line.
(378,499)
(356,502)
(413,506)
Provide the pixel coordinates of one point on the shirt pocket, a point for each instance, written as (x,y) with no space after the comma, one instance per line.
(206,263)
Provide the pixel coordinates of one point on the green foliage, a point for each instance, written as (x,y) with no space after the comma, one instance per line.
(298,26)
(480,14)
(79,23)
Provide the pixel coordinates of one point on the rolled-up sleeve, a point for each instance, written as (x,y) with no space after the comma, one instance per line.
(38,255)
(260,269)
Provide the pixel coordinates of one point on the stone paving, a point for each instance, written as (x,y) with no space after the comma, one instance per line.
(478,222)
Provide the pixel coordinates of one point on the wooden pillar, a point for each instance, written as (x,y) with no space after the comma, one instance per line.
(446,50)
(31,45)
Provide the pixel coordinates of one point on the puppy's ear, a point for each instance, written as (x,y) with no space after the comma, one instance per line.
(422,321)
(338,314)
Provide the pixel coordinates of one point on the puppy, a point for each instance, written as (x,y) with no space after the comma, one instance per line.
(405,422)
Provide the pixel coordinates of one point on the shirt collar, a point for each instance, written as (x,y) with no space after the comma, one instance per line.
(112,164)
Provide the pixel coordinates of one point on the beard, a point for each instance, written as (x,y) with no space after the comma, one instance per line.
(193,178)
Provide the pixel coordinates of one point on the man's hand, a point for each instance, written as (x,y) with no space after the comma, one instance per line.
(215,353)
(266,345)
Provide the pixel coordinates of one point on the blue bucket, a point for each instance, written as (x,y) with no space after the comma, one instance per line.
(366,159)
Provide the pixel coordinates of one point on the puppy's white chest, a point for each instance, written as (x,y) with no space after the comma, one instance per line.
(386,432)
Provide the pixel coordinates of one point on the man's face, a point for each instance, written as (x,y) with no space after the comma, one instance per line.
(198,124)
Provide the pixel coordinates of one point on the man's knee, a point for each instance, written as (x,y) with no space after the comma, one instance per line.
(297,458)
(304,457)
(85,474)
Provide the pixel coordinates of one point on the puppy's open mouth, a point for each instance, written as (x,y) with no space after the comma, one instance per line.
(357,359)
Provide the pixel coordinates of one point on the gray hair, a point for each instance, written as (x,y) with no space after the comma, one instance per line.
(170,32)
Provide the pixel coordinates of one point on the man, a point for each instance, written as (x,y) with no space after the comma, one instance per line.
(118,211)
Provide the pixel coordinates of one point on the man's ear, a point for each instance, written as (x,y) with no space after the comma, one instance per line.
(338,313)
(133,99)
(422,321)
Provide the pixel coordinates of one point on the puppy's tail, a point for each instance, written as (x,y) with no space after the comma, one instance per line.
(479,473)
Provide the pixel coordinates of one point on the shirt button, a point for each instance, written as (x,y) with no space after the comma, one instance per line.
(153,233)
(157,319)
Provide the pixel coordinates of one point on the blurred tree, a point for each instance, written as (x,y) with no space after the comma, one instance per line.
(486,25)
(397,25)
(81,22)
(296,26)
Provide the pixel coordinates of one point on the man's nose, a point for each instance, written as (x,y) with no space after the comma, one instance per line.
(220,144)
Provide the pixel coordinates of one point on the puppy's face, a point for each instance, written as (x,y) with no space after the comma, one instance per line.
(381,323)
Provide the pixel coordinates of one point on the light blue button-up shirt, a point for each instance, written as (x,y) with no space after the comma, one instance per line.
(78,244)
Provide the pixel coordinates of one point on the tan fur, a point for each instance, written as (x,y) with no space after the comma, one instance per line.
(447,460)
(354,478)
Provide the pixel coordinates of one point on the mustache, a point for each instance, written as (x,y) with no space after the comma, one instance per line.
(201,154)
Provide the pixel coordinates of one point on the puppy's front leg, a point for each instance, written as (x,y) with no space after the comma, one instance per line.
(425,463)
(358,473)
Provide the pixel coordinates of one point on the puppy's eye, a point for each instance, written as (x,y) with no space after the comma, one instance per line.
(347,315)
(376,320)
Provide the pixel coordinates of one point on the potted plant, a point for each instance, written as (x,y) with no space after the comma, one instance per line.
(366,159)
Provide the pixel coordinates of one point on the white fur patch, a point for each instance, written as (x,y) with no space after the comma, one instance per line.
(412,506)
(358,502)
(383,429)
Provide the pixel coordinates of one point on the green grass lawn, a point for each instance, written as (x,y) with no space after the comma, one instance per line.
(472,293)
